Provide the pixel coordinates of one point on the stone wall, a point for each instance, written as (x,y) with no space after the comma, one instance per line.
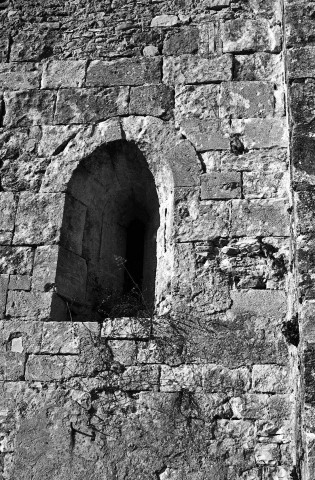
(211,102)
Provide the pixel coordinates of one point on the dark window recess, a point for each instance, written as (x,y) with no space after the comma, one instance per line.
(135,238)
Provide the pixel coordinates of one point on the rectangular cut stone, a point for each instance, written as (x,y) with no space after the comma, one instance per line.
(247,99)
(262,132)
(128,71)
(217,185)
(12,366)
(184,163)
(4,281)
(301,62)
(155,100)
(200,101)
(20,337)
(29,304)
(259,66)
(199,221)
(90,105)
(129,328)
(16,260)
(20,282)
(185,41)
(60,337)
(45,267)
(15,76)
(63,73)
(216,3)
(205,134)
(260,218)
(55,137)
(266,303)
(73,223)
(71,276)
(256,35)
(305,246)
(124,351)
(308,321)
(271,182)
(164,21)
(175,379)
(193,70)
(270,379)
(49,368)
(302,102)
(305,202)
(300,23)
(7,216)
(139,378)
(28,108)
(39,218)
(217,378)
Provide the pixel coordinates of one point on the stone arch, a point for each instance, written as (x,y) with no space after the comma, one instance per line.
(166,161)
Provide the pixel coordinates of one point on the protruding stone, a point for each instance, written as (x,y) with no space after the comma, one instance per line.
(164,21)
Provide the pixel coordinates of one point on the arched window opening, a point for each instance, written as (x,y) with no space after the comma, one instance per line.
(120,227)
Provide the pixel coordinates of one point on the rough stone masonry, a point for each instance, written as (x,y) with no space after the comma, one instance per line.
(196,119)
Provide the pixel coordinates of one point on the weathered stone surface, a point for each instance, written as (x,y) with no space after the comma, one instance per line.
(306,259)
(14,76)
(29,108)
(63,73)
(247,99)
(219,379)
(299,23)
(267,454)
(308,321)
(45,266)
(270,379)
(90,105)
(73,222)
(23,173)
(259,66)
(12,366)
(48,368)
(199,101)
(220,185)
(251,35)
(124,72)
(4,281)
(183,41)
(302,101)
(205,134)
(20,282)
(130,328)
(39,218)
(305,202)
(262,133)
(39,305)
(301,63)
(71,276)
(199,221)
(184,163)
(271,182)
(141,378)
(188,377)
(269,303)
(123,351)
(16,260)
(155,100)
(20,337)
(55,138)
(260,218)
(164,21)
(7,217)
(189,69)
(61,337)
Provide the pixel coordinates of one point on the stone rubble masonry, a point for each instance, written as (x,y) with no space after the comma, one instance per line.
(212,103)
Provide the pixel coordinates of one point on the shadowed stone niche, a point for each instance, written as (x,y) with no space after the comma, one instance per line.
(107,251)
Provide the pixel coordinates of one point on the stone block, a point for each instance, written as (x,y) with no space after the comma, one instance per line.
(7,217)
(271,182)
(302,102)
(305,204)
(20,282)
(247,99)
(305,246)
(130,71)
(71,276)
(259,66)
(155,100)
(15,76)
(4,281)
(39,218)
(303,145)
(35,305)
(189,69)
(199,221)
(50,368)
(218,185)
(90,105)
(63,74)
(184,163)
(268,303)
(140,378)
(28,108)
(164,21)
(308,321)
(299,21)
(262,132)
(301,62)
(267,454)
(251,35)
(55,138)
(217,4)
(309,374)
(126,328)
(205,134)
(45,267)
(74,217)
(11,367)
(183,41)
(217,378)
(123,351)
(183,377)
(20,336)
(16,260)
(200,101)
(60,338)
(270,379)
(260,218)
